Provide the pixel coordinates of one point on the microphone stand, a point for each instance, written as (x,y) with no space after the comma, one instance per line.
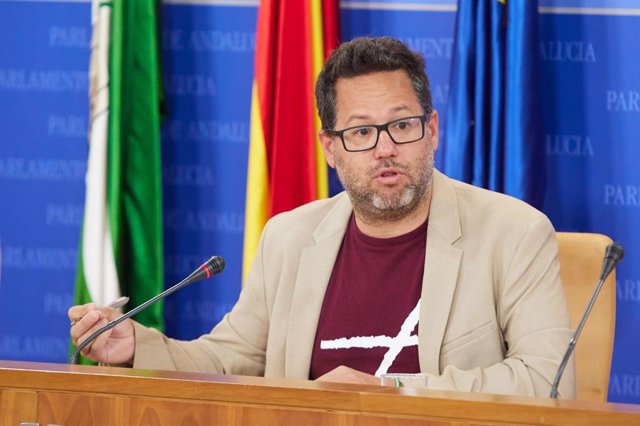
(613,255)
(213,266)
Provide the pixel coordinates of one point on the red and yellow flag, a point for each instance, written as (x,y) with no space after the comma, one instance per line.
(286,164)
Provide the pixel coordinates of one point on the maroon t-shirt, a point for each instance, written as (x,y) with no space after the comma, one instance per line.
(369,317)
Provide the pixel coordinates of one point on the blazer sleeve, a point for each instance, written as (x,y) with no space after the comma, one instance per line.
(237,345)
(534,321)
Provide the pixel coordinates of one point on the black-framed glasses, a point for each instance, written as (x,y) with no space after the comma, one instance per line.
(363,138)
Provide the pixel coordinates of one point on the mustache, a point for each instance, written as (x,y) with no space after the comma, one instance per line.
(387,164)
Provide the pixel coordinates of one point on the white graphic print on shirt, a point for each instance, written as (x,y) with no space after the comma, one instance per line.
(395,344)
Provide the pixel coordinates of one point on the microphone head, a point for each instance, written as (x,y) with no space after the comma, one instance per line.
(215,265)
(614,252)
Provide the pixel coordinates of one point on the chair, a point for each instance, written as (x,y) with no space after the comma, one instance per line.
(580,257)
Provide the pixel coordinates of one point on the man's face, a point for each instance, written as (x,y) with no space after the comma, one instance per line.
(390,181)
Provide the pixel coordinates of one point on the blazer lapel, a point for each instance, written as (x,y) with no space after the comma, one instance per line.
(441,269)
(314,272)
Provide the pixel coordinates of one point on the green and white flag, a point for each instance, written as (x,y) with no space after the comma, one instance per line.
(121,248)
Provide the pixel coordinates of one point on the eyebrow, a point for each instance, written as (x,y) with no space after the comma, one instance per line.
(367,117)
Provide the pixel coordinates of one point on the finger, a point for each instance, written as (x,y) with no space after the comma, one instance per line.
(328,377)
(82,327)
(88,349)
(78,311)
(99,344)
(110,313)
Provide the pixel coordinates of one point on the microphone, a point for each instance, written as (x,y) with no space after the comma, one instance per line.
(211,267)
(612,256)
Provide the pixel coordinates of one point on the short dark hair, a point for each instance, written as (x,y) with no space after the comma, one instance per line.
(366,55)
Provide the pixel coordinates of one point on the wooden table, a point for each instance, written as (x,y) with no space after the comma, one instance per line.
(80,395)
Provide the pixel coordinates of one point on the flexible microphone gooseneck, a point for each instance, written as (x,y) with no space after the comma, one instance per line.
(612,256)
(211,267)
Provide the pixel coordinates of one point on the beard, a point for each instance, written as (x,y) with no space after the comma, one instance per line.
(392,204)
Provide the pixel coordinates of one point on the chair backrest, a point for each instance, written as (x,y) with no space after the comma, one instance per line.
(580,257)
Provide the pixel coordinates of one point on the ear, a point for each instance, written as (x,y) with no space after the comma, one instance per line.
(327,146)
(432,129)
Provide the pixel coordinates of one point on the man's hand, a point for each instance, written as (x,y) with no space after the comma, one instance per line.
(344,374)
(115,346)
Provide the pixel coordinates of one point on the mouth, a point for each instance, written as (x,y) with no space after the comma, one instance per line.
(388,176)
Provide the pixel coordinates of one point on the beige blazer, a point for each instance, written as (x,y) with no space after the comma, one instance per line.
(493,316)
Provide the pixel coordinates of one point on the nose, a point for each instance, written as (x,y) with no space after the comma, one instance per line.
(386,147)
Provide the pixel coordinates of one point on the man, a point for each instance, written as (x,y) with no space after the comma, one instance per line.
(408,271)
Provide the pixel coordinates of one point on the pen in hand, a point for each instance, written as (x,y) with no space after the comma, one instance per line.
(119,302)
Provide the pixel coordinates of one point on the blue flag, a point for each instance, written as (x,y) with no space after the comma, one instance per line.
(493,127)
